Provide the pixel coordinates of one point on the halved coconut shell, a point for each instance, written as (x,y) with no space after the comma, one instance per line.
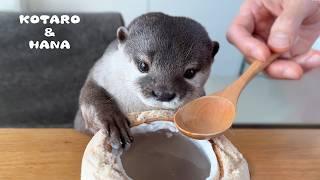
(101,162)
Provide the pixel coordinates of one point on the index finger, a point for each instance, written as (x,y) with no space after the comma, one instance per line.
(241,35)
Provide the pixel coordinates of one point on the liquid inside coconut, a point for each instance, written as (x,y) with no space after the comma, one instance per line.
(164,155)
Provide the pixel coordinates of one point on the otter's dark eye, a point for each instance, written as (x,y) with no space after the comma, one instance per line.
(143,67)
(190,73)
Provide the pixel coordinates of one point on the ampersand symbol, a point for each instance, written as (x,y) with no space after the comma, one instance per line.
(48,32)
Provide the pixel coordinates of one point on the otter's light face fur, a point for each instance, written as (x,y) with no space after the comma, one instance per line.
(169,57)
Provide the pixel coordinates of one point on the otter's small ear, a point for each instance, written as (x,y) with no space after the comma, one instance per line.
(122,34)
(215,48)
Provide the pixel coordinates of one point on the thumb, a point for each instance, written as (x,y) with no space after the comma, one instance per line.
(285,29)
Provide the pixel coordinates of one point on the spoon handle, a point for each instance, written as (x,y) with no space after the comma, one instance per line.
(232,92)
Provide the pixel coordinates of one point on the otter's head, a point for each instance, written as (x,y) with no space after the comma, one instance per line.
(171,57)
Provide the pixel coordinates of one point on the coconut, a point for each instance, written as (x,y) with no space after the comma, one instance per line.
(160,151)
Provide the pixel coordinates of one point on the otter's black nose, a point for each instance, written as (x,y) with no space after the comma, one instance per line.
(163,96)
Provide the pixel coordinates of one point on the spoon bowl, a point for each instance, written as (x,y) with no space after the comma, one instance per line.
(211,115)
(205,117)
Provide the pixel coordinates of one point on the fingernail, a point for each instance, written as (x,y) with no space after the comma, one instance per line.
(280,40)
(131,138)
(313,60)
(290,74)
(257,55)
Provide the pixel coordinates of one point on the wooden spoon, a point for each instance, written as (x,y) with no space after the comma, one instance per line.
(208,116)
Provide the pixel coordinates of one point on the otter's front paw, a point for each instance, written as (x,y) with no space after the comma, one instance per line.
(118,130)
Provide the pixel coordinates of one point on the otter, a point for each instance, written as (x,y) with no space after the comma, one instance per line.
(157,62)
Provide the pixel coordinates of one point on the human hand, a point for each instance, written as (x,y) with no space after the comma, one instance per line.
(288,27)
